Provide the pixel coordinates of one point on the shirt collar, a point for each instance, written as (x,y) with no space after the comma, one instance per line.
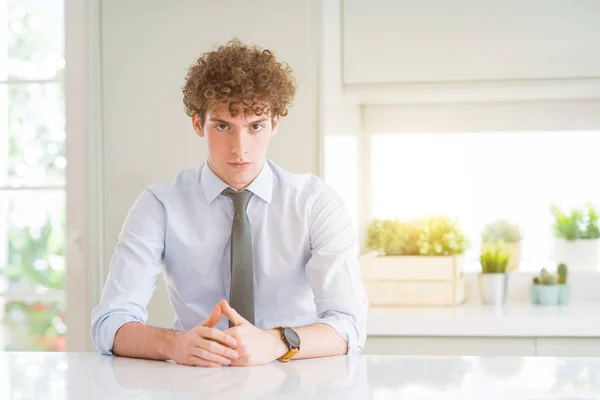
(262,185)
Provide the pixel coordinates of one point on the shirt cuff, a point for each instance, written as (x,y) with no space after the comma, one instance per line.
(107,330)
(343,325)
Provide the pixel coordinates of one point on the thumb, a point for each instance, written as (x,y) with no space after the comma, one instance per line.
(214,318)
(233,315)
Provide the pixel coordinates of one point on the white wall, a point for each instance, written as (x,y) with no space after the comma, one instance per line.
(147,46)
(427,41)
(485,116)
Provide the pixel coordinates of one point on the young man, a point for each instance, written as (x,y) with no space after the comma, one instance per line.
(265,258)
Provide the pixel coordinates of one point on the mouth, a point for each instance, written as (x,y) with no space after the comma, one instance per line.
(239,165)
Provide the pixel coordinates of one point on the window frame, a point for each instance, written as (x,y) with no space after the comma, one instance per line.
(83,188)
(51,295)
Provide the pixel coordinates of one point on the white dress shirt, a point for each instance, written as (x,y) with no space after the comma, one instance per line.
(305,267)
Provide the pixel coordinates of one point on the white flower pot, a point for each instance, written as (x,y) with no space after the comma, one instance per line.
(578,255)
(493,288)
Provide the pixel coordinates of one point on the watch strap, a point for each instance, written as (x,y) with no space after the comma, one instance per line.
(291,351)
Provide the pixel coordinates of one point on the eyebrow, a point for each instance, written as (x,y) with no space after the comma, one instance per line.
(227,122)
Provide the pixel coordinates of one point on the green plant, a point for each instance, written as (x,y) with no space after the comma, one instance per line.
(562,274)
(393,237)
(547,278)
(34,325)
(494,258)
(501,230)
(431,236)
(441,236)
(579,223)
(592,229)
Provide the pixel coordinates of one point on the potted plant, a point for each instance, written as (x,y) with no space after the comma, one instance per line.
(551,289)
(493,279)
(415,262)
(503,230)
(577,237)
(423,248)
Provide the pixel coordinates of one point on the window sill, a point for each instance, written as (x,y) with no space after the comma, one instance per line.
(517,318)
(512,320)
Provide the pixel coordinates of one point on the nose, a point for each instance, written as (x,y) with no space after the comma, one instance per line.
(239,144)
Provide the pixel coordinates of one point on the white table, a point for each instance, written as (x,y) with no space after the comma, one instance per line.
(51,376)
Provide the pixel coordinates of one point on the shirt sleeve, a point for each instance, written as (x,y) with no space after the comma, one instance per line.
(133,273)
(333,269)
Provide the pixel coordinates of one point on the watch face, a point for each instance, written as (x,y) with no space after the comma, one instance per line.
(292,337)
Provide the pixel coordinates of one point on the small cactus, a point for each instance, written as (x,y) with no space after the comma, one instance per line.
(562,274)
(547,278)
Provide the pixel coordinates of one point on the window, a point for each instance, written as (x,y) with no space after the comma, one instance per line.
(482,176)
(478,162)
(32,175)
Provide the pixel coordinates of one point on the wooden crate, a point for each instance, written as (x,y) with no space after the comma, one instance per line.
(411,268)
(413,280)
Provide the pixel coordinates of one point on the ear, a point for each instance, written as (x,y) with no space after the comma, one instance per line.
(275,123)
(197,124)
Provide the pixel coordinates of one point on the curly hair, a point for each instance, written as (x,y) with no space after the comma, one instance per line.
(241,75)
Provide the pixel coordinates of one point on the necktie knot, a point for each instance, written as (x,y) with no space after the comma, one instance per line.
(240,199)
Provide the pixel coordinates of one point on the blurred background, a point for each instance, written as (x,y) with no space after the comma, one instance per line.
(480,111)
(32,175)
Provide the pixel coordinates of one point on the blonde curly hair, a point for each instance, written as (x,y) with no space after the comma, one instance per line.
(241,75)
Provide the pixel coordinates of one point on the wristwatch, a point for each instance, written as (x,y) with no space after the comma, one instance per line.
(291,340)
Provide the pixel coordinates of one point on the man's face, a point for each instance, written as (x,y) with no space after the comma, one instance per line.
(237,146)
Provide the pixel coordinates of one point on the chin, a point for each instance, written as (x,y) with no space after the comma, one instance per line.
(241,177)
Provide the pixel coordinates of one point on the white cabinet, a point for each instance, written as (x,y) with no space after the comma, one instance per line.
(558,347)
(406,41)
(483,346)
(451,346)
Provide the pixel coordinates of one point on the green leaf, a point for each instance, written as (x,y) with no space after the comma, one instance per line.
(432,236)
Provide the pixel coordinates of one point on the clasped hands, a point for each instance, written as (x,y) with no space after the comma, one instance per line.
(241,345)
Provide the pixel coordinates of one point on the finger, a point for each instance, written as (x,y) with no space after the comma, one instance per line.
(233,332)
(240,362)
(219,336)
(231,314)
(215,317)
(218,348)
(208,356)
(200,362)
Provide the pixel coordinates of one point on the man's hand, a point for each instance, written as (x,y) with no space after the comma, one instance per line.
(254,346)
(205,345)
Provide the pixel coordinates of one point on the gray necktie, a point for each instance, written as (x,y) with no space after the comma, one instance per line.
(241,295)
